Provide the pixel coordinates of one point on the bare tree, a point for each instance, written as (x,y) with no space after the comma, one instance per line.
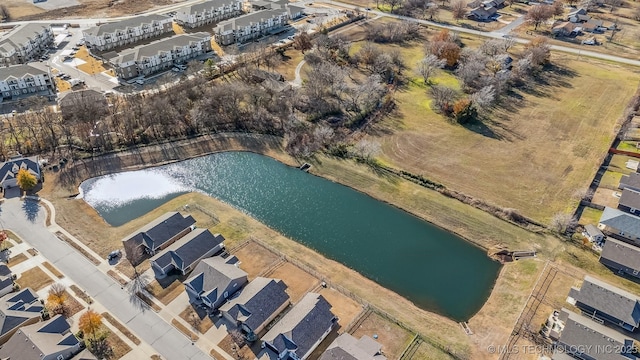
(563,223)
(432,10)
(366,149)
(443,98)
(302,41)
(428,66)
(459,10)
(636,13)
(571,3)
(558,8)
(393,4)
(539,14)
(483,99)
(614,4)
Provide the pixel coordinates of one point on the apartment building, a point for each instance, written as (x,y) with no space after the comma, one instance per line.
(113,35)
(24,43)
(24,80)
(208,12)
(160,55)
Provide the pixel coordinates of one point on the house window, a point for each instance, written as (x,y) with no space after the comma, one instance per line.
(226,294)
(633,210)
(60,357)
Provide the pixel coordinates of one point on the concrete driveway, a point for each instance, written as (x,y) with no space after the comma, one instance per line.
(26,218)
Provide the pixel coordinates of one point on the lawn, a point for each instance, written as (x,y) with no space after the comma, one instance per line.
(53,270)
(15,260)
(590,216)
(167,289)
(298,281)
(393,338)
(34,278)
(512,159)
(254,259)
(198,319)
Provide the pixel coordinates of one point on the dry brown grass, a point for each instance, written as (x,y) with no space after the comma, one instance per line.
(114,275)
(32,252)
(11,235)
(78,248)
(53,270)
(73,306)
(288,64)
(344,307)
(123,329)
(13,261)
(564,116)
(81,294)
(92,65)
(255,259)
(62,85)
(119,347)
(148,301)
(167,289)
(392,337)
(203,322)
(239,351)
(298,281)
(183,329)
(34,278)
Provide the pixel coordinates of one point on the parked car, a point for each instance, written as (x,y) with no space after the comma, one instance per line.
(176,69)
(140,82)
(114,254)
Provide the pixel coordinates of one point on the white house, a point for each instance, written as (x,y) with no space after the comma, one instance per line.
(160,55)
(24,43)
(24,80)
(211,11)
(116,34)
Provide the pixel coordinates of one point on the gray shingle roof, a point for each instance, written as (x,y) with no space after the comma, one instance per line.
(251,18)
(630,198)
(621,253)
(207,5)
(257,302)
(160,230)
(347,347)
(18,308)
(19,71)
(592,338)
(609,299)
(592,230)
(189,249)
(213,275)
(9,169)
(631,180)
(138,53)
(302,326)
(40,340)
(20,34)
(125,24)
(621,220)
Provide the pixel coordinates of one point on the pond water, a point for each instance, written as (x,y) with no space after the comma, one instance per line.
(435,269)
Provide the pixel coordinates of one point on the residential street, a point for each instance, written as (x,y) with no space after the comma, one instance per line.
(26,219)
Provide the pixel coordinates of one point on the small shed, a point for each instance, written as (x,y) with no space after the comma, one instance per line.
(593,233)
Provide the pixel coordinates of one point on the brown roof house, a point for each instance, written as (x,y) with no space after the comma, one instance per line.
(16,310)
(347,347)
(48,340)
(159,233)
(564,29)
(183,255)
(621,257)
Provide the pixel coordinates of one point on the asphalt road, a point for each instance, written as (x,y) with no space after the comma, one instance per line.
(26,218)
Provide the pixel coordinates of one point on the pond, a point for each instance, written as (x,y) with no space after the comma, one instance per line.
(435,269)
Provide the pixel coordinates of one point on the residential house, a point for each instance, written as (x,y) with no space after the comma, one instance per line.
(16,310)
(251,26)
(184,254)
(583,338)
(629,201)
(145,60)
(18,81)
(621,257)
(483,12)
(159,233)
(621,225)
(302,329)
(10,168)
(256,306)
(593,25)
(211,11)
(631,182)
(577,19)
(214,280)
(593,233)
(48,340)
(347,347)
(88,102)
(6,280)
(24,43)
(606,303)
(120,33)
(564,29)
(574,15)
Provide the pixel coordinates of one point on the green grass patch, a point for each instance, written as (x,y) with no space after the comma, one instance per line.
(590,216)
(610,180)
(629,146)
(619,164)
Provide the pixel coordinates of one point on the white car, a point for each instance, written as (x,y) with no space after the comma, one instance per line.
(140,82)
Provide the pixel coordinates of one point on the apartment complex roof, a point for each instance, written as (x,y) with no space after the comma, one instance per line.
(177,41)
(19,71)
(19,35)
(204,6)
(125,24)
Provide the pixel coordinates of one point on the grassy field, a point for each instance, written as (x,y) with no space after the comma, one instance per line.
(519,145)
(34,278)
